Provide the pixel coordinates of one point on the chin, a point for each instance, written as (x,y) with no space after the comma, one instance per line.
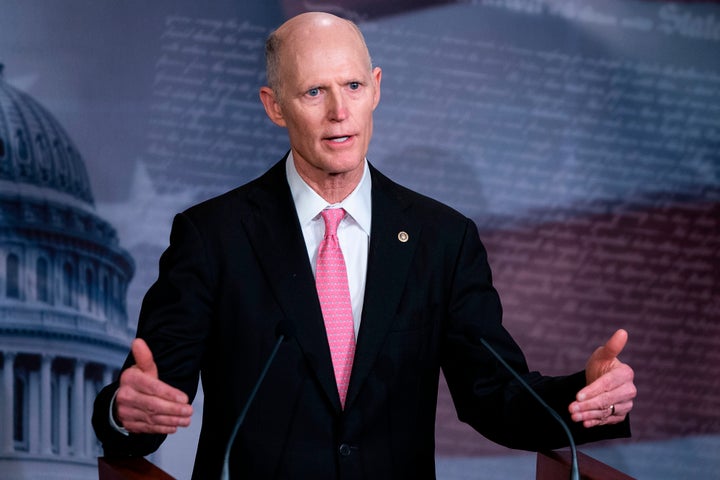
(344,162)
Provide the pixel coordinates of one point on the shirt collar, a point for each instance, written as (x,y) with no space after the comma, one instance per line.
(309,204)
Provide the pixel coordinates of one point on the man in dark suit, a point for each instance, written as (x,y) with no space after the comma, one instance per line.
(241,267)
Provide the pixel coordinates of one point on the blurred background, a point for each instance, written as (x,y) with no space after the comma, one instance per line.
(582,137)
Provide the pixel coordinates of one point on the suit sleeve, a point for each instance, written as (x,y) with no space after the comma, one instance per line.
(485,395)
(175,323)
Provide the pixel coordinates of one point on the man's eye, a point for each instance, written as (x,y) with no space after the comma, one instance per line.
(354,85)
(313,92)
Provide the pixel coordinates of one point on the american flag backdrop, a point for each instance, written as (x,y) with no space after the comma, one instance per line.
(582,137)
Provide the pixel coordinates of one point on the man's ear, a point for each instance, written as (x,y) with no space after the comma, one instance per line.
(377,77)
(272,106)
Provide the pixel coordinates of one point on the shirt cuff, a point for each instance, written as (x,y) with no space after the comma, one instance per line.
(113,423)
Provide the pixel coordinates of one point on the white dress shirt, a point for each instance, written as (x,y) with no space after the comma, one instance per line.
(353,232)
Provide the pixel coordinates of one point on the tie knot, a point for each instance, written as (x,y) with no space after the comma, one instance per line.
(332,218)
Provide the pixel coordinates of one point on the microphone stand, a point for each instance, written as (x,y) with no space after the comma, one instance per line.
(574,470)
(226,461)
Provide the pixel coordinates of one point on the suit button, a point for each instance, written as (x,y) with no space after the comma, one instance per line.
(344,450)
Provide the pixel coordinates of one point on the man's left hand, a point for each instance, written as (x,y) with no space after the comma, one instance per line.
(609,392)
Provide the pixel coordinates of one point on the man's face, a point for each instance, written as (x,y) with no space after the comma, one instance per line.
(326,100)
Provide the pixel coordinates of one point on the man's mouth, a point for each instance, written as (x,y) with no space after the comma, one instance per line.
(338,139)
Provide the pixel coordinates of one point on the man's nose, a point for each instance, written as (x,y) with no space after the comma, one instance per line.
(337,107)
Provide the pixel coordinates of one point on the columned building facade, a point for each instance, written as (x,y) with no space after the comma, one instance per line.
(63,280)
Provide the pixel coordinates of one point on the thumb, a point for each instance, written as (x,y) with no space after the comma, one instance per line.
(144,357)
(616,344)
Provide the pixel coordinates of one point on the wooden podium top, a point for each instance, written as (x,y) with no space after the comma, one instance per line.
(130,468)
(555,465)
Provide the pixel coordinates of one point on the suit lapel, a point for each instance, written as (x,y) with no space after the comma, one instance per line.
(389,259)
(276,237)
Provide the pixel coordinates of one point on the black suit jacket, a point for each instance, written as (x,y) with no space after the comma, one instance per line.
(237,269)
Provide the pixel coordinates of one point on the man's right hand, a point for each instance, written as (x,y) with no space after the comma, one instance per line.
(145,404)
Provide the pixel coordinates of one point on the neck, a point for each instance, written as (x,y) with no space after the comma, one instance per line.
(335,187)
(332,187)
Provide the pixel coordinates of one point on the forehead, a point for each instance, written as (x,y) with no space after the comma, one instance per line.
(317,52)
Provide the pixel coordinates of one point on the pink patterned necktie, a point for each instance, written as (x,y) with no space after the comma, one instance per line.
(332,286)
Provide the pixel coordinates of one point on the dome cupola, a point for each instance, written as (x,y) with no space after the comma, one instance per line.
(34,148)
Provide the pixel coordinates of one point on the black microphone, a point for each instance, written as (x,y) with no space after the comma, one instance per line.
(574,470)
(284,331)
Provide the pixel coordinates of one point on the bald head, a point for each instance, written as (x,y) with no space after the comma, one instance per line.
(323,90)
(303,31)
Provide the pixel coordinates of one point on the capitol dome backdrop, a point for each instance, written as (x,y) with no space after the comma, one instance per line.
(583,138)
(63,284)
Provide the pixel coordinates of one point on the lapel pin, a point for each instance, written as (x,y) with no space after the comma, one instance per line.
(403,237)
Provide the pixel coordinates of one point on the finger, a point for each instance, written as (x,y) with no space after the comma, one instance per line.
(621,409)
(140,427)
(599,407)
(618,376)
(618,410)
(135,381)
(606,417)
(144,357)
(133,407)
(616,344)
(159,424)
(593,397)
(159,413)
